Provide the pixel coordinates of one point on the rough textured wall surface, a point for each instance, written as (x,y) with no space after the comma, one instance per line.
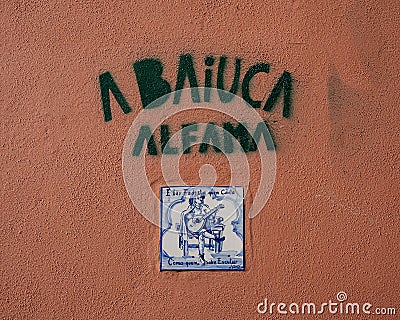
(72,244)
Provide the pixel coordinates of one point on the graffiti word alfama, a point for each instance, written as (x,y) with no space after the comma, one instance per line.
(152,85)
(222,138)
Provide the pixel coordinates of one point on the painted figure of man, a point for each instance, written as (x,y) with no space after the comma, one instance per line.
(197,221)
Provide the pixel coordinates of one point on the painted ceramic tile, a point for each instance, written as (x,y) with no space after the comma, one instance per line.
(202,228)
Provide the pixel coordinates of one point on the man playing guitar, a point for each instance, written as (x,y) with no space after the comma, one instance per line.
(197,221)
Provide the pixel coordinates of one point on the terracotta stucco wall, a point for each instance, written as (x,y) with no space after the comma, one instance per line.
(72,244)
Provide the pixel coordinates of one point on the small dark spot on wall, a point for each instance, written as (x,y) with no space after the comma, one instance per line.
(334,88)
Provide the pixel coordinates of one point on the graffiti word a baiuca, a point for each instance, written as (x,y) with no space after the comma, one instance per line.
(152,85)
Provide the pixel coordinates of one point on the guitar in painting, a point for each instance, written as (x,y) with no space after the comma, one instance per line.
(197,222)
